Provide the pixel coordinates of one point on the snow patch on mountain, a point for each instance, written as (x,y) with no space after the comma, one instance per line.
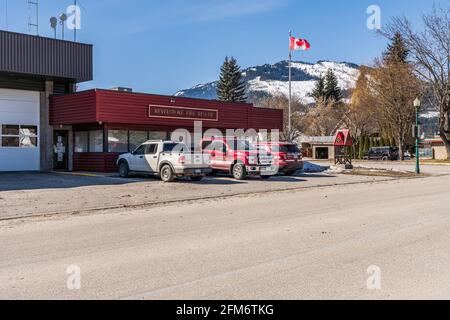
(272,80)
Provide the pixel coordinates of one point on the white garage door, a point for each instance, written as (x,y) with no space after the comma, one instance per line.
(19,130)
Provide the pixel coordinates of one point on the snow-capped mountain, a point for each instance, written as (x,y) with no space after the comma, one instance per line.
(272,79)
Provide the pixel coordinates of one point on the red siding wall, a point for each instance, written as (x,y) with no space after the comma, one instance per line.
(95,162)
(261,118)
(120,107)
(73,108)
(132,108)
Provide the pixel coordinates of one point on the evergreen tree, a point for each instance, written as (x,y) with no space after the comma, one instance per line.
(396,51)
(230,87)
(366,144)
(332,89)
(371,144)
(319,89)
(393,142)
(361,147)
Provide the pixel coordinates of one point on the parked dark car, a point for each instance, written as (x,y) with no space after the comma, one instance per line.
(382,153)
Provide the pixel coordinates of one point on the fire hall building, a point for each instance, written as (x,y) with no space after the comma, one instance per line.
(46,125)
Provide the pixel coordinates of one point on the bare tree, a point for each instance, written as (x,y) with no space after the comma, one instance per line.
(394,87)
(325,118)
(430,51)
(280,102)
(360,117)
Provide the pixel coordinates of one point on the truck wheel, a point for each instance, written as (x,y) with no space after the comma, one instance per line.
(124,170)
(197,179)
(167,174)
(289,173)
(239,172)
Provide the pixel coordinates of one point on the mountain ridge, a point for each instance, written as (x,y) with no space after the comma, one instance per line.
(272,79)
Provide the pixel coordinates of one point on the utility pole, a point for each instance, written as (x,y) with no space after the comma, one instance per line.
(76,22)
(417,104)
(290,91)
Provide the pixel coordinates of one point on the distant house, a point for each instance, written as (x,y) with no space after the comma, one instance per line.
(436,148)
(317,148)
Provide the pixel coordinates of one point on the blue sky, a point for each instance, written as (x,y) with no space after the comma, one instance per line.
(161,46)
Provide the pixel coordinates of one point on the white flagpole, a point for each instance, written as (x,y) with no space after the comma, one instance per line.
(290,89)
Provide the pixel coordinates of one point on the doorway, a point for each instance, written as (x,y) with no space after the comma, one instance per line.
(60,150)
(322,153)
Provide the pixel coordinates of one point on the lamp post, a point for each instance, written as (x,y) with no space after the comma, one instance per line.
(417,104)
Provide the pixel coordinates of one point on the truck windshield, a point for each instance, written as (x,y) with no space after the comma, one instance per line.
(175,147)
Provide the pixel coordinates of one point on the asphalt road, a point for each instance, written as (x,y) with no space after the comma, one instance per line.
(312,243)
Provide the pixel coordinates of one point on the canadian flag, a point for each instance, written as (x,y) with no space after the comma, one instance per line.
(299,44)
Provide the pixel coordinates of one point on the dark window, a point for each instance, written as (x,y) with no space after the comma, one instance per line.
(10,130)
(218,146)
(151,149)
(206,144)
(175,147)
(19,136)
(10,141)
(289,149)
(140,151)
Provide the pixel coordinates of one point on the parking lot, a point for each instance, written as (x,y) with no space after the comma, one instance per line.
(30,194)
(37,194)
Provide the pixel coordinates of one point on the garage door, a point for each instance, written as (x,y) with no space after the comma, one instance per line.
(19,130)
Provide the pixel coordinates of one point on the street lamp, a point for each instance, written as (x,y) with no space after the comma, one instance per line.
(417,104)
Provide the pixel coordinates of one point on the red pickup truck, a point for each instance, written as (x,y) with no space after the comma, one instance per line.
(238,157)
(288,156)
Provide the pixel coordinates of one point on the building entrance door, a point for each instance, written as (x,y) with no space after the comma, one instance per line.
(60,150)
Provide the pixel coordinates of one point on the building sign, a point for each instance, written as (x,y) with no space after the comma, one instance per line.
(183,113)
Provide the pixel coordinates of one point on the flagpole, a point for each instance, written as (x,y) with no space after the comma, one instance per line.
(290,89)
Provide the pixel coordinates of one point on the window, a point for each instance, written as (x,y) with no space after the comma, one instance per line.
(15,136)
(10,141)
(218,146)
(81,141)
(137,138)
(10,130)
(206,144)
(118,141)
(96,141)
(140,151)
(157,135)
(151,149)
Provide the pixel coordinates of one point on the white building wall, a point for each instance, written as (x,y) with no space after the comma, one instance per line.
(18,107)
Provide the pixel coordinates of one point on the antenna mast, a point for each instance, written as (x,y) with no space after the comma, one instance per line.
(75,29)
(35,23)
(6,15)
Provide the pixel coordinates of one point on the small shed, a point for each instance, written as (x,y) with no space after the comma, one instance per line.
(343,144)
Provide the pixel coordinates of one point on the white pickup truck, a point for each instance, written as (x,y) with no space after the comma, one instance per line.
(167,159)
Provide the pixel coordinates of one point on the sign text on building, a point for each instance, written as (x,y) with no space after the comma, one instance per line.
(183,113)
